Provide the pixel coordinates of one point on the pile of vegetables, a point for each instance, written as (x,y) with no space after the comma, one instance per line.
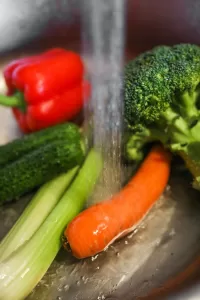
(29,259)
(56,156)
(162,101)
(161,104)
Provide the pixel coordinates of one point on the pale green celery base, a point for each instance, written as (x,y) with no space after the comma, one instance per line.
(35,213)
(21,272)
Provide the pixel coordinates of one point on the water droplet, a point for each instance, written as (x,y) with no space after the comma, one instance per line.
(78,283)
(158,243)
(63,278)
(66,287)
(59,288)
(86,280)
(126,242)
(59,298)
(117,254)
(102,297)
(94,257)
(130,236)
(172,232)
(98,268)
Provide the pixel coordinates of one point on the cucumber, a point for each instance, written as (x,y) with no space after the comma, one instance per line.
(17,148)
(38,167)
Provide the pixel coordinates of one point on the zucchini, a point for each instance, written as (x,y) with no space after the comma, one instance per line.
(17,148)
(38,167)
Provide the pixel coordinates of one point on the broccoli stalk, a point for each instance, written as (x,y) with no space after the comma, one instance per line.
(162,103)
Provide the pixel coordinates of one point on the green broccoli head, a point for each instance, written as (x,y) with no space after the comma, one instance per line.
(146,89)
(156,80)
(162,100)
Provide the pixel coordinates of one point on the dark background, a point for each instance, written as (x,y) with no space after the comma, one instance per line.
(56,22)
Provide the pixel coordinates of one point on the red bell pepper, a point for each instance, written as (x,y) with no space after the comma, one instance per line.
(45,89)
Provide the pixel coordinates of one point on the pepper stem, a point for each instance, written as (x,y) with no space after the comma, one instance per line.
(15,100)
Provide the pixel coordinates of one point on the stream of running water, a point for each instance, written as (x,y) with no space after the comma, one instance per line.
(103,42)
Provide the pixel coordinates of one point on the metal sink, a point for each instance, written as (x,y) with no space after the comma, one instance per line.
(161,260)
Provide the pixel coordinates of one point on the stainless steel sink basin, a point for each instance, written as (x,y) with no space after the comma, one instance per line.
(161,260)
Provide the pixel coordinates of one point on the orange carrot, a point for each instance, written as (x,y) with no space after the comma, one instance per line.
(99,225)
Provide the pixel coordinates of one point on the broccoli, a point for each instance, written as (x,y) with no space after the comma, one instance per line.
(162,103)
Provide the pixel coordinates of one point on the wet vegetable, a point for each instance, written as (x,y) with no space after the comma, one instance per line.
(99,225)
(21,146)
(23,269)
(45,89)
(35,213)
(38,167)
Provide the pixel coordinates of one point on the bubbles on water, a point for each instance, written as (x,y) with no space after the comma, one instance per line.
(66,287)
(60,288)
(132,233)
(78,283)
(84,279)
(172,233)
(93,258)
(102,297)
(142,226)
(59,298)
(62,278)
(158,242)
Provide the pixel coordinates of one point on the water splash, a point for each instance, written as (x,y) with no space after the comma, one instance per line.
(103,42)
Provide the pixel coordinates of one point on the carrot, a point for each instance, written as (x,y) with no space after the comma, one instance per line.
(101,224)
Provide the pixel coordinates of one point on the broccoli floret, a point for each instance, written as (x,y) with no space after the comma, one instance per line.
(162,102)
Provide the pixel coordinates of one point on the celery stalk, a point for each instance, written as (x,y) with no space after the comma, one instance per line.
(35,213)
(23,269)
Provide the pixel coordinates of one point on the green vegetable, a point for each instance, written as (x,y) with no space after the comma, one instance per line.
(38,167)
(162,102)
(23,269)
(17,148)
(35,213)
